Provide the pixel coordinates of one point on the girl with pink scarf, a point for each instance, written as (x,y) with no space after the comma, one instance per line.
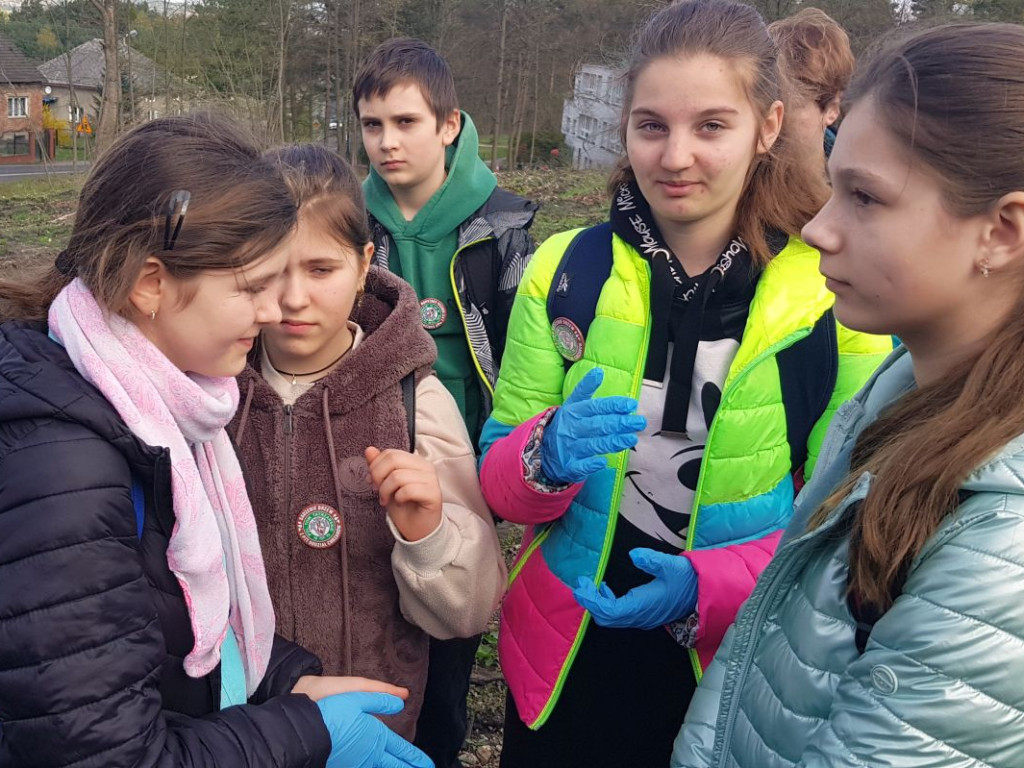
(136,627)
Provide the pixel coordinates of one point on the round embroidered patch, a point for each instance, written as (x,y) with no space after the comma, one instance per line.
(884,680)
(568,338)
(433,313)
(319,526)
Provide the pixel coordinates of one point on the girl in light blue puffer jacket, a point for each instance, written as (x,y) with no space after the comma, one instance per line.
(889,628)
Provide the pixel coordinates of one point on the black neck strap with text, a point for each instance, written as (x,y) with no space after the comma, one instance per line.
(679,302)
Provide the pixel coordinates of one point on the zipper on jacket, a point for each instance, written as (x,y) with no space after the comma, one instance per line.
(462,313)
(772,350)
(780,578)
(287,461)
(784,562)
(613,515)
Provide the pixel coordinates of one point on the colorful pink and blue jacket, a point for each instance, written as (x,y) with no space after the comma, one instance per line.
(745,491)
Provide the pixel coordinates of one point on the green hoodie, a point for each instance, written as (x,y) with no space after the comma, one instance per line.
(425,249)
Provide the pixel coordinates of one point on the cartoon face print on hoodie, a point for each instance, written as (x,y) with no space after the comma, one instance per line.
(661,479)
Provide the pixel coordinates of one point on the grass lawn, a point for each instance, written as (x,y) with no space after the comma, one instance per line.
(35,218)
(67,154)
(36,215)
(568,199)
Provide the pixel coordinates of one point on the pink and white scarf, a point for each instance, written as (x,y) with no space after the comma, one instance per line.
(214,549)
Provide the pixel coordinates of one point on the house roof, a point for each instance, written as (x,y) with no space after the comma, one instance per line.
(87,67)
(15,68)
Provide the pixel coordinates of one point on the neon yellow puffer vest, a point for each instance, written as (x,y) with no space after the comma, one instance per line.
(745,489)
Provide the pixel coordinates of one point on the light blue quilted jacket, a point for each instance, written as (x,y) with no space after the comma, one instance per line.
(941,682)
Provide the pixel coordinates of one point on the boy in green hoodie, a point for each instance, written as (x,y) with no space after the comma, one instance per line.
(441,222)
(439,219)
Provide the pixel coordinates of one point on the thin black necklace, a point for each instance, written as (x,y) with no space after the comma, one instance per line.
(314,373)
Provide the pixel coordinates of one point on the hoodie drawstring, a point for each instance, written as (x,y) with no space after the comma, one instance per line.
(347,617)
(244,420)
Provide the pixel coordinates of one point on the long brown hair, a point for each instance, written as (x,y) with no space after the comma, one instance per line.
(815,54)
(780,193)
(239,209)
(935,91)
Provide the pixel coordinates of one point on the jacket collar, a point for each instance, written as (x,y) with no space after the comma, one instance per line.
(502,212)
(790,296)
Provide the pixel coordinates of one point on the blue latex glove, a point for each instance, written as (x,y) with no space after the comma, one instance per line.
(584,429)
(359,740)
(671,596)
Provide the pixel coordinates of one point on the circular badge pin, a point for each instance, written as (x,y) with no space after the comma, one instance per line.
(568,338)
(319,526)
(433,313)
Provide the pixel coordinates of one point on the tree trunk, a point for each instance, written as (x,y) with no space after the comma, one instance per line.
(501,86)
(327,93)
(181,59)
(342,86)
(282,63)
(167,64)
(536,102)
(353,146)
(517,115)
(108,123)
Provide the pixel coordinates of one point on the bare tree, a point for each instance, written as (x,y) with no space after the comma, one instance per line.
(107,125)
(505,7)
(284,18)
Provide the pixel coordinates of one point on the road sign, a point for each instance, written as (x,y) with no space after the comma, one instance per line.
(84,126)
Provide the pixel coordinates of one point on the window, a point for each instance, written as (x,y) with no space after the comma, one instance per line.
(75,115)
(588,82)
(14,145)
(17,106)
(587,126)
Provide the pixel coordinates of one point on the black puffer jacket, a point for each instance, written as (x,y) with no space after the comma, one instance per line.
(93,625)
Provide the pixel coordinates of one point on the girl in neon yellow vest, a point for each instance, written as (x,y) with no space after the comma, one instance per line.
(715,321)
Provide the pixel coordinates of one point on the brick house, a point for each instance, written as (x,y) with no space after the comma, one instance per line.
(22,89)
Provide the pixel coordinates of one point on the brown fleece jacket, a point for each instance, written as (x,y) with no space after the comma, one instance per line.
(326,599)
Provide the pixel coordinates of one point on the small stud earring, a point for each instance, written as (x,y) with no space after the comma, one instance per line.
(152,315)
(985,271)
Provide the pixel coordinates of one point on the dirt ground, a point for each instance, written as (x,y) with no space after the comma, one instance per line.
(487,689)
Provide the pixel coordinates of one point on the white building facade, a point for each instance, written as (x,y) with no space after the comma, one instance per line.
(590,119)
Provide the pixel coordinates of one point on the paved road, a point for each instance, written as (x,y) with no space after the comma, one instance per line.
(23,172)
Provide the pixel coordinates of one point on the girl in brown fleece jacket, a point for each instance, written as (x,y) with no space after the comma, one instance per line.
(370,543)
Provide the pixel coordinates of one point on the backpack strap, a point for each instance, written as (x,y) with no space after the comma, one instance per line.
(807,376)
(409,400)
(575,288)
(139,504)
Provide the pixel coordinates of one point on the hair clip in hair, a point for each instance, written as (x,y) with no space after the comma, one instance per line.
(65,264)
(176,212)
